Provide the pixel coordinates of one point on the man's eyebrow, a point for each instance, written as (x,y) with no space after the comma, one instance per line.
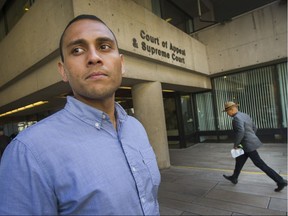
(76,42)
(98,40)
(105,39)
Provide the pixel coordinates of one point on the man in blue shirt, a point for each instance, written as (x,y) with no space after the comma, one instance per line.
(90,157)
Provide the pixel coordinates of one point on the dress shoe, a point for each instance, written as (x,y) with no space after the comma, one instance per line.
(230,178)
(281,186)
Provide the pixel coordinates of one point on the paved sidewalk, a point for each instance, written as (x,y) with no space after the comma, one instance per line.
(194,184)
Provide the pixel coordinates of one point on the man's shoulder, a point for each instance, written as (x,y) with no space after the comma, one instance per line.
(245,115)
(44,127)
(134,124)
(133,120)
(241,115)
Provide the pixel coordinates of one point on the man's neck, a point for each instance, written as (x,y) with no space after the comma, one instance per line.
(235,113)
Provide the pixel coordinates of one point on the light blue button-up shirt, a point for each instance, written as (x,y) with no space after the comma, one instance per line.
(75,162)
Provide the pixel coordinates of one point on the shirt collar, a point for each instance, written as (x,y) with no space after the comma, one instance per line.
(90,114)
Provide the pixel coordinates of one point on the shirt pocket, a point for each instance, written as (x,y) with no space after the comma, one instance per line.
(149,159)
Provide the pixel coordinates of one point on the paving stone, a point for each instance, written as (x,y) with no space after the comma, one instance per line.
(169,211)
(188,213)
(194,185)
(237,208)
(259,188)
(193,208)
(278,204)
(184,189)
(240,198)
(177,196)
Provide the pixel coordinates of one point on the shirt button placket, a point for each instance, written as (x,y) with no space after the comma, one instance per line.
(133,169)
(97,125)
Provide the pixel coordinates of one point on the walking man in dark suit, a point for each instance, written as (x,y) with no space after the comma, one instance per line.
(245,130)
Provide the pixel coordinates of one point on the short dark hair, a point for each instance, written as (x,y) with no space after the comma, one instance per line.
(81,17)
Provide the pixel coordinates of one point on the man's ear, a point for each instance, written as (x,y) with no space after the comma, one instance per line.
(62,71)
(122,64)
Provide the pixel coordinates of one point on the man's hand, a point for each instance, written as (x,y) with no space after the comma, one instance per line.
(239,146)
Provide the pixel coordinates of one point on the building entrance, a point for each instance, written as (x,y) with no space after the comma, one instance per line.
(179,116)
(180,120)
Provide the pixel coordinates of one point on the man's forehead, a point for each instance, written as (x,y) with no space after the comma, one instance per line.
(86,22)
(87,26)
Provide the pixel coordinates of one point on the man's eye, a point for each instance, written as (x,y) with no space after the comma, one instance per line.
(77,50)
(105,47)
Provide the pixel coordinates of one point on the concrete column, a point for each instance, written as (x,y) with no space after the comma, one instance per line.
(149,110)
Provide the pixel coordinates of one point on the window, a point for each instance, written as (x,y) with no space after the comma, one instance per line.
(11,13)
(283,78)
(254,90)
(205,115)
(193,15)
(175,16)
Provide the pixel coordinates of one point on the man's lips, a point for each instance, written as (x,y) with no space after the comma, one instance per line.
(96,75)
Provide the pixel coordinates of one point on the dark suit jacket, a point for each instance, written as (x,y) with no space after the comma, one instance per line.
(245,132)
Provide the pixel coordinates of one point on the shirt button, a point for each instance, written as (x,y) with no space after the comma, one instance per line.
(133,169)
(103,116)
(97,125)
(143,200)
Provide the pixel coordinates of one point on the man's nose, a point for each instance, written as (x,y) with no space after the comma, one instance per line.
(94,57)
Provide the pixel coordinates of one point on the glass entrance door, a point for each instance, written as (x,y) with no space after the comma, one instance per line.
(180,122)
(189,129)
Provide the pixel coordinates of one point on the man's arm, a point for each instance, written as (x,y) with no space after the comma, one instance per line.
(239,129)
(23,185)
(254,127)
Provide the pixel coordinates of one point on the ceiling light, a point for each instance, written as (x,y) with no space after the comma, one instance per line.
(24,108)
(166,90)
(125,87)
